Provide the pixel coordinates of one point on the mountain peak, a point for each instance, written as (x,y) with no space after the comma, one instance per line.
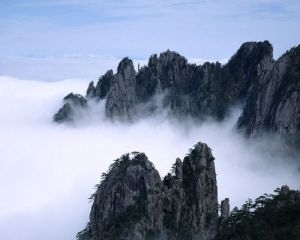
(124,64)
(133,203)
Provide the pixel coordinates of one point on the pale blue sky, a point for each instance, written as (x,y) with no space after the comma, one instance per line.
(211,29)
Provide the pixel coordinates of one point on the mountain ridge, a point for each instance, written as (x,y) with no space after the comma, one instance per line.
(169,82)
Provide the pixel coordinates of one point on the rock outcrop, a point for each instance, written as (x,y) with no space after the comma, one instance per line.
(273,104)
(225,209)
(121,96)
(101,89)
(72,104)
(133,203)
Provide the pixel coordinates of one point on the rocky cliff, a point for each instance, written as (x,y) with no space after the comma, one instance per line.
(273,104)
(133,203)
(268,90)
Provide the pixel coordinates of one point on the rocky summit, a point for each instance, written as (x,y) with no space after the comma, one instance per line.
(267,89)
(132,202)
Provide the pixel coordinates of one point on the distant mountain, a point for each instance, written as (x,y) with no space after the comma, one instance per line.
(268,90)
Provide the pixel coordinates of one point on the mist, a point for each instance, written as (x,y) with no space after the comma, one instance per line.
(48,170)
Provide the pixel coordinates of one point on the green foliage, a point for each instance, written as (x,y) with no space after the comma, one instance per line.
(85,234)
(269,217)
(118,164)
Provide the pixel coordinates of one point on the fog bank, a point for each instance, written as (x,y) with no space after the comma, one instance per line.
(48,170)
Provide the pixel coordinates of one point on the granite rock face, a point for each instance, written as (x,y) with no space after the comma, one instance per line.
(273,104)
(121,95)
(133,203)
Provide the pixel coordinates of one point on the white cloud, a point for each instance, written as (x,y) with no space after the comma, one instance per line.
(47,171)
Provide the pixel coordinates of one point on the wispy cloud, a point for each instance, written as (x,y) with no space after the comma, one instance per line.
(207,29)
(215,7)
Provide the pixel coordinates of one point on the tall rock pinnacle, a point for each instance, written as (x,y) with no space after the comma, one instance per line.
(133,203)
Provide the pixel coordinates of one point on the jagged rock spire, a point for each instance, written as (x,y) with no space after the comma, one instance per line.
(133,203)
(225,209)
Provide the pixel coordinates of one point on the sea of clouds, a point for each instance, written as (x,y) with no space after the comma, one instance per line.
(48,170)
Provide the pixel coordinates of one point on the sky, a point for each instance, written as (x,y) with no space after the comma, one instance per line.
(208,29)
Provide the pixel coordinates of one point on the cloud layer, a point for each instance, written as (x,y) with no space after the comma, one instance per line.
(47,171)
